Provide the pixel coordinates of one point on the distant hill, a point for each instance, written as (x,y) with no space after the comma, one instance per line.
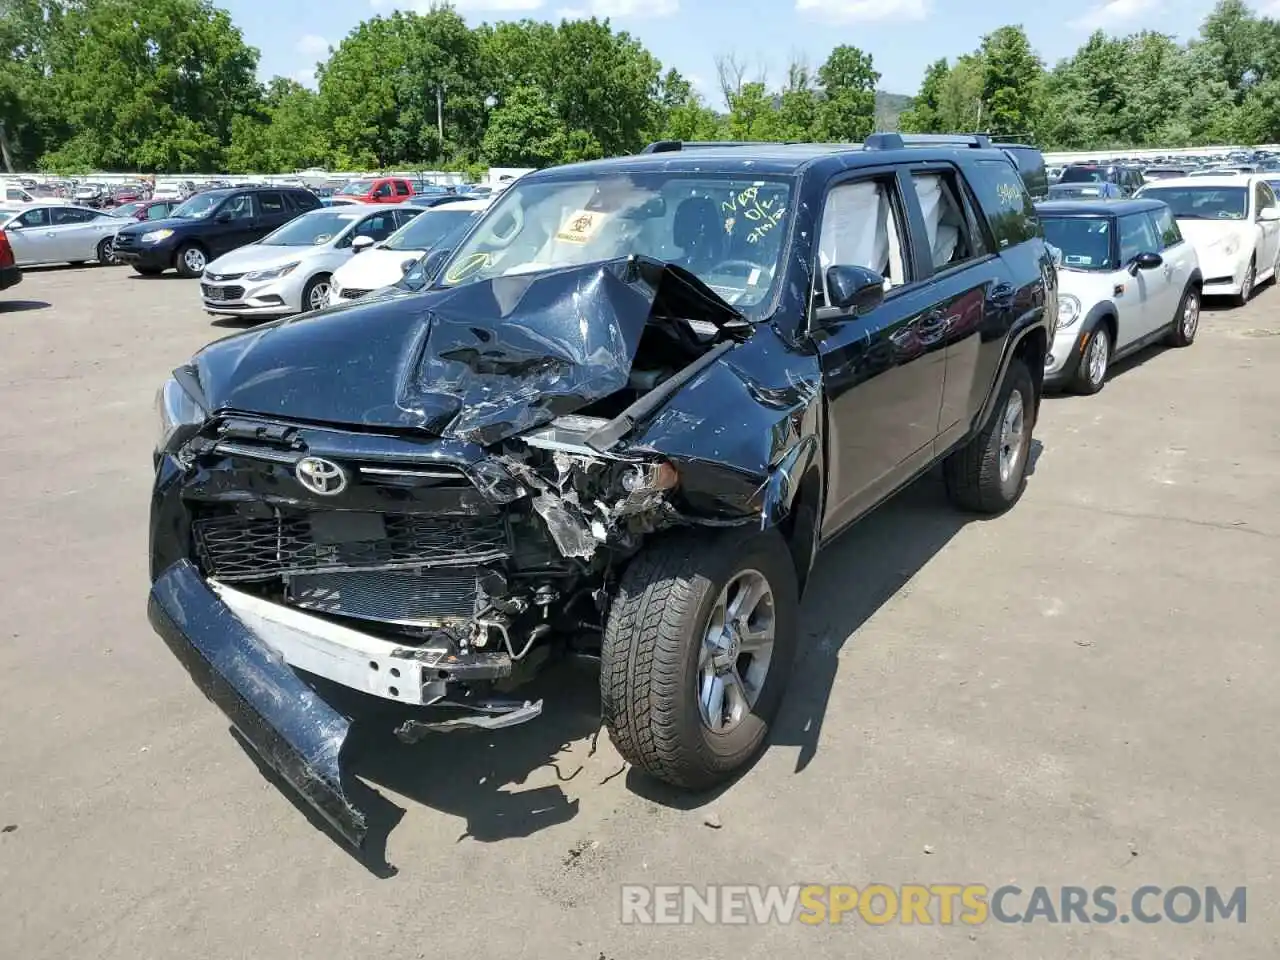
(889,107)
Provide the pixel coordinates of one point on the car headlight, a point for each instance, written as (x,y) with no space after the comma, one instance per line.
(1068,310)
(275,273)
(155,236)
(178,411)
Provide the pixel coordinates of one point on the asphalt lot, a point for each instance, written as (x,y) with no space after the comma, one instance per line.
(1080,692)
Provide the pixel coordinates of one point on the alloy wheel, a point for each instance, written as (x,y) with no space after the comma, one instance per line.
(736,651)
(194,259)
(319,298)
(1099,351)
(1011,439)
(1190,316)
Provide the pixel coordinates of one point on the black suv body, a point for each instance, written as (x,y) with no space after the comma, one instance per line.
(215,222)
(622,419)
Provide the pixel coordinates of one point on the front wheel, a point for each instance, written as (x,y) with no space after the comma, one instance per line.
(989,473)
(191,260)
(697,652)
(1247,284)
(1091,374)
(1187,322)
(315,295)
(107,252)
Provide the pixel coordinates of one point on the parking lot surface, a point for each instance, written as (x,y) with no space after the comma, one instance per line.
(1081,692)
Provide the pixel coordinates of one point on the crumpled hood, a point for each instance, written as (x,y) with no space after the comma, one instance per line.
(479,362)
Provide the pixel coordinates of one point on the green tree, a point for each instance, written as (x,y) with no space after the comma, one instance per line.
(960,96)
(684,115)
(148,84)
(525,131)
(848,80)
(797,105)
(1011,80)
(286,135)
(752,115)
(923,116)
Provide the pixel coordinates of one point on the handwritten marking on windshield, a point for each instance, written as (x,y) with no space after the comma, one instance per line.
(761,213)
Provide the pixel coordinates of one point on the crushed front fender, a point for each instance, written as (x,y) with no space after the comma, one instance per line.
(297,734)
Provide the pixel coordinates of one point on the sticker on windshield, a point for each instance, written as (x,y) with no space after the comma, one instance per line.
(581,226)
(467,266)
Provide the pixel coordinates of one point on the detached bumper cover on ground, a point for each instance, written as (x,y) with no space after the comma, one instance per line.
(295,731)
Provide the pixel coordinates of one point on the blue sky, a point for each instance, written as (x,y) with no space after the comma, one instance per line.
(902,35)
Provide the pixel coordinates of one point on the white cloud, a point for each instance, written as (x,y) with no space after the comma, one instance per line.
(313,45)
(305,77)
(1115,14)
(853,10)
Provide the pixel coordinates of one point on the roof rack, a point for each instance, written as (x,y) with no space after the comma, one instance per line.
(897,141)
(673,146)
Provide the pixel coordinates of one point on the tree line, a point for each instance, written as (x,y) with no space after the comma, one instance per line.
(1141,90)
(171,86)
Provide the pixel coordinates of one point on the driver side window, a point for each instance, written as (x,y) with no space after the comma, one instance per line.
(1137,235)
(240,208)
(862,227)
(38,217)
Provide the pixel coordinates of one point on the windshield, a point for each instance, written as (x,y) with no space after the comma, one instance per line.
(197,208)
(1084,175)
(1085,242)
(1203,203)
(311,229)
(431,229)
(727,230)
(356,188)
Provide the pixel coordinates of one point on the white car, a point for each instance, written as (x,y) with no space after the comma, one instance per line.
(1126,278)
(289,271)
(60,233)
(1233,221)
(439,227)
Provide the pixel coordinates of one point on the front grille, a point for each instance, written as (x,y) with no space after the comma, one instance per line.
(222,277)
(234,547)
(349,293)
(221,293)
(124,241)
(433,598)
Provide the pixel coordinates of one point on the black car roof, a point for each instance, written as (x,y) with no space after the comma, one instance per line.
(1096,208)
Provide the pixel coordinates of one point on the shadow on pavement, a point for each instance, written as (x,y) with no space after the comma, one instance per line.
(21,306)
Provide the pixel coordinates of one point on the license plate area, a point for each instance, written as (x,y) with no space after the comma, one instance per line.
(341,526)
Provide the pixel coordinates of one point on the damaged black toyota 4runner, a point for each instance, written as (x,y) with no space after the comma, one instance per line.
(622,419)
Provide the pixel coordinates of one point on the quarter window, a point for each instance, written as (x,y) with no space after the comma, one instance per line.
(1005,200)
(402,189)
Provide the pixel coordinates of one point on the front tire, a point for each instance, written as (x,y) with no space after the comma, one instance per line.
(697,652)
(315,295)
(106,255)
(1187,322)
(191,260)
(989,473)
(1247,285)
(1095,359)
(148,271)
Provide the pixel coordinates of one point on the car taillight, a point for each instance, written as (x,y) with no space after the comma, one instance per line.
(6,251)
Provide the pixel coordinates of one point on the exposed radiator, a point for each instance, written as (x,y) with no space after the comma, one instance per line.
(431,598)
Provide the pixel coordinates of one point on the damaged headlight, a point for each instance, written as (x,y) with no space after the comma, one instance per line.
(177,410)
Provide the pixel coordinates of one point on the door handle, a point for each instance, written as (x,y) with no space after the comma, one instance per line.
(1002,294)
(933,326)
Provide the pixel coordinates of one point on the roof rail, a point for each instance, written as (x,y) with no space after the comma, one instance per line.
(673,146)
(897,141)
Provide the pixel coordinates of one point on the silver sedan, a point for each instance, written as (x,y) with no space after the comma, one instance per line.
(60,234)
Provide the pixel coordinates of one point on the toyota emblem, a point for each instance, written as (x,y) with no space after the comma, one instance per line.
(321,476)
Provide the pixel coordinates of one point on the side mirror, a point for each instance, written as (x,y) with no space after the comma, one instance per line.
(1145,261)
(360,243)
(407,266)
(855,289)
(1267,214)
(223,216)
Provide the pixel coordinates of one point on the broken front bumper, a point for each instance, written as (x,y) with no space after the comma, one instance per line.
(292,728)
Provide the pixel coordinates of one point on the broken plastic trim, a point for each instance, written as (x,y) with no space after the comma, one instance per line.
(295,732)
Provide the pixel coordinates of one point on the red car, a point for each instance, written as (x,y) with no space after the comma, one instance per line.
(145,209)
(378,190)
(9,272)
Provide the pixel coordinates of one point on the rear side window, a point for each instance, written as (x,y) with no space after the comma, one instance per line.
(67,215)
(305,200)
(157,211)
(1005,202)
(944,218)
(1030,164)
(270,203)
